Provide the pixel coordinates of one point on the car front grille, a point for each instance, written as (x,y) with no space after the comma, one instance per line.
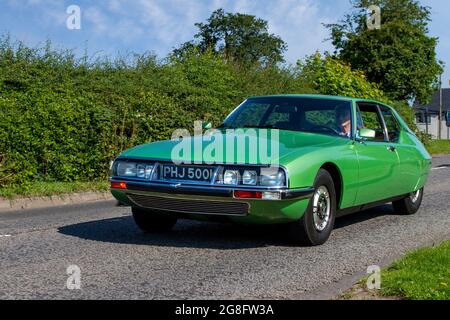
(191,206)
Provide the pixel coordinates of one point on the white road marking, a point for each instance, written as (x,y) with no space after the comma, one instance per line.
(5,235)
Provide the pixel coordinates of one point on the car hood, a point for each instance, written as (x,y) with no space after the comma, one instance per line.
(289,142)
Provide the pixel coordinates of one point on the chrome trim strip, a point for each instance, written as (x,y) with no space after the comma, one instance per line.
(155,171)
(157,183)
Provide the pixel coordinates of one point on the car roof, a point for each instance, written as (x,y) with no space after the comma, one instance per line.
(316,96)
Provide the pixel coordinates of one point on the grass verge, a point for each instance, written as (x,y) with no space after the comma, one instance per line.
(439,147)
(51,188)
(420,275)
(423,274)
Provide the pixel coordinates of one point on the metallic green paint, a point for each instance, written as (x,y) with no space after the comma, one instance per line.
(367,171)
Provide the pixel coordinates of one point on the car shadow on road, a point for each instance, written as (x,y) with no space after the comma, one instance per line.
(357,217)
(187,234)
(192,234)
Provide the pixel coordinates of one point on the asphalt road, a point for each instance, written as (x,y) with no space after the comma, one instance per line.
(204,260)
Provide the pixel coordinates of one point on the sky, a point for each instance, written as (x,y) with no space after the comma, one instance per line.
(118,27)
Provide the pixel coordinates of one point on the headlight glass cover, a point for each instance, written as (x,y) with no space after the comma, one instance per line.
(140,171)
(132,169)
(272,177)
(148,171)
(126,169)
(250,177)
(231,177)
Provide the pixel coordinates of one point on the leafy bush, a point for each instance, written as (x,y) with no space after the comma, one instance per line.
(426,138)
(64,119)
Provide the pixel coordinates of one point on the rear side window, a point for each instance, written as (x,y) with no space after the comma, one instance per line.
(392,125)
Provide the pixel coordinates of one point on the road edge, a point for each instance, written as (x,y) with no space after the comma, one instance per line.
(335,290)
(8,205)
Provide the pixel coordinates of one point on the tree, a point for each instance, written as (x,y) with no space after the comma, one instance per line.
(240,38)
(329,75)
(400,56)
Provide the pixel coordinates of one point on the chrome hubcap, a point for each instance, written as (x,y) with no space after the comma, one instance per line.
(321,208)
(415,196)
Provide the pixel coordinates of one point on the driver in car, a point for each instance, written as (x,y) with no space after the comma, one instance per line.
(343,121)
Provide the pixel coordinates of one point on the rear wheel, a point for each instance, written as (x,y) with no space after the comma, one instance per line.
(410,204)
(315,227)
(149,221)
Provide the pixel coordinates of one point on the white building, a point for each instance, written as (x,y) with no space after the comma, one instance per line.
(427,116)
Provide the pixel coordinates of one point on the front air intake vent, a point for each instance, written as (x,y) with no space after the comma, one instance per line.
(191,206)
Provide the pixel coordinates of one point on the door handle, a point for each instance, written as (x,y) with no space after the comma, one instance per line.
(392,148)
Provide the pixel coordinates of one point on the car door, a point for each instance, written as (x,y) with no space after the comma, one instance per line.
(407,174)
(378,160)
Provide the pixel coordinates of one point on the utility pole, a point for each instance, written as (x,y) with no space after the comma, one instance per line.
(440,108)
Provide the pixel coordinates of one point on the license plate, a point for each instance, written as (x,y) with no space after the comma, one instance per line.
(199,174)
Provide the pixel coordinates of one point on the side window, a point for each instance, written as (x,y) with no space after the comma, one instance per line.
(392,125)
(369,118)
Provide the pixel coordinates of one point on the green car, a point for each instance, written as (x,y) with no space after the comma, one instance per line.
(298,160)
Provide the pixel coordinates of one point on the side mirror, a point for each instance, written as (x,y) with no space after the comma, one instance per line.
(367,133)
(206,125)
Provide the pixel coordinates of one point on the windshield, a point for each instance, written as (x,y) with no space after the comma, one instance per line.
(325,116)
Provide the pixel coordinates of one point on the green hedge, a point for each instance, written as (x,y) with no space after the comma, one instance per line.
(64,119)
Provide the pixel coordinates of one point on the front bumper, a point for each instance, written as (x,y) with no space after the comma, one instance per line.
(201,202)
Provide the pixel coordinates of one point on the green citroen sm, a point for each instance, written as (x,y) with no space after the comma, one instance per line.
(298,160)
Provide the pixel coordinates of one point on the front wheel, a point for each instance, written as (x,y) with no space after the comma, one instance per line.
(149,221)
(410,204)
(315,227)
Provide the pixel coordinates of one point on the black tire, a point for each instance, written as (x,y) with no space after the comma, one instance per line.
(304,231)
(410,204)
(149,221)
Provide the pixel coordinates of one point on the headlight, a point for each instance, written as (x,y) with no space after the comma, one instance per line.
(148,171)
(272,177)
(132,169)
(249,177)
(140,170)
(126,169)
(231,177)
